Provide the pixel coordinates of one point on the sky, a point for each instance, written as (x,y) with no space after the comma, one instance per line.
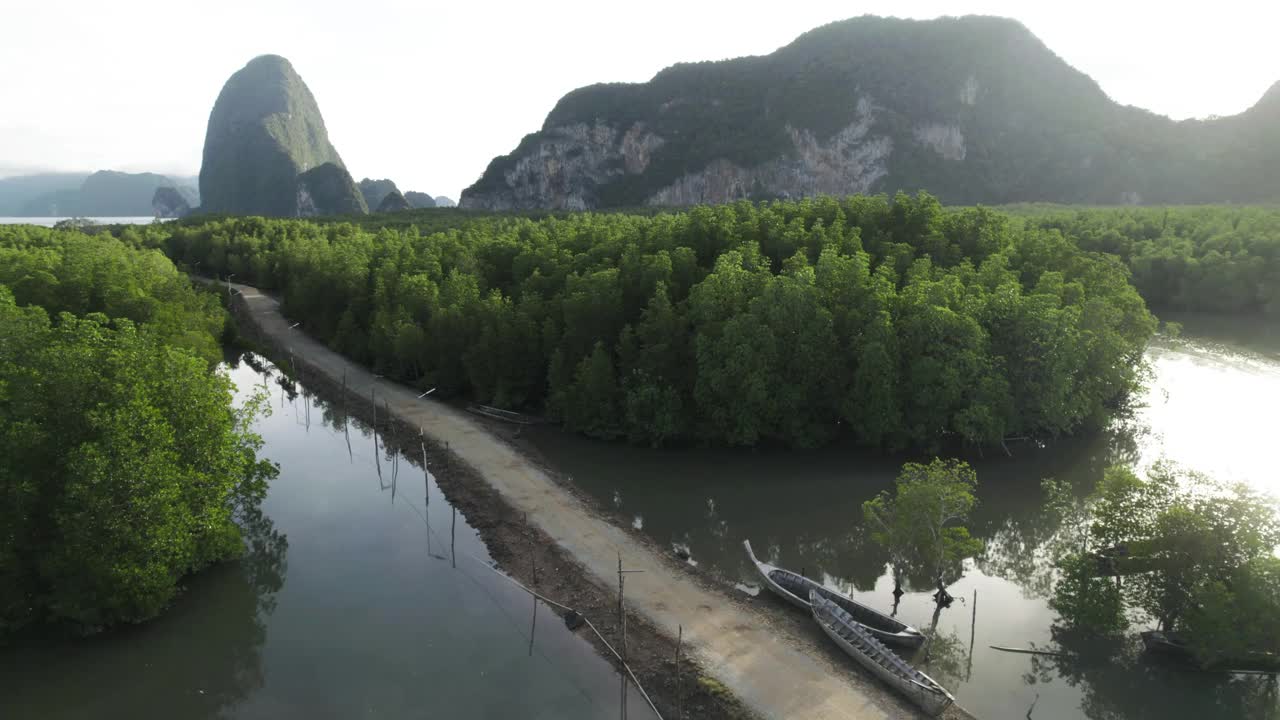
(427,93)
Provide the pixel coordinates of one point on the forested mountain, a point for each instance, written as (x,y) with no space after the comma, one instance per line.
(265,131)
(418,200)
(105,193)
(972,109)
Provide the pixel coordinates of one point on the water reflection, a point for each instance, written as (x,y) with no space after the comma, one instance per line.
(200,658)
(1209,406)
(381,604)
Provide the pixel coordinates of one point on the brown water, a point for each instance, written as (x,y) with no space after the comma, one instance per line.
(361,598)
(1212,405)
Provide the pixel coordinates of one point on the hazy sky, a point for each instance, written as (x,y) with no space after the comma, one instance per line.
(427,93)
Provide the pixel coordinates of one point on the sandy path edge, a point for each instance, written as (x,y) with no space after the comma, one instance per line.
(775,674)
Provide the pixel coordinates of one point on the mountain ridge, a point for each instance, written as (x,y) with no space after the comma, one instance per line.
(974,109)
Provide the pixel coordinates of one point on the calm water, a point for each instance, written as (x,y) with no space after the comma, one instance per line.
(349,606)
(50,221)
(1212,405)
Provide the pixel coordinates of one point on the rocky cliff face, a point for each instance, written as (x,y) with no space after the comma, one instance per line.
(974,110)
(264,132)
(567,165)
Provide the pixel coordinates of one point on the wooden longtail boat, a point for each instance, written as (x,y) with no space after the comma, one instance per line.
(882,662)
(795,588)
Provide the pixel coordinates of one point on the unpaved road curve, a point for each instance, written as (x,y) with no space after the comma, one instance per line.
(773,675)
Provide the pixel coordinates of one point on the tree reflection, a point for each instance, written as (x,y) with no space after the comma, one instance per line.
(197,660)
(1120,682)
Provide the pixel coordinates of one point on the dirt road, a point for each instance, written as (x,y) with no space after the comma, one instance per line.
(777,674)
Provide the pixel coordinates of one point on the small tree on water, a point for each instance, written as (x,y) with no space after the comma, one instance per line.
(919,522)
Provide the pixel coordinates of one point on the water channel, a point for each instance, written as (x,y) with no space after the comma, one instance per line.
(1212,405)
(361,597)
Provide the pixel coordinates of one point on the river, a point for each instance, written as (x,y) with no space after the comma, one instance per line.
(1210,405)
(364,595)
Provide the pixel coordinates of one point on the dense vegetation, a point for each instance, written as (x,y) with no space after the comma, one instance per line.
(124,465)
(1216,259)
(1033,128)
(893,322)
(1196,556)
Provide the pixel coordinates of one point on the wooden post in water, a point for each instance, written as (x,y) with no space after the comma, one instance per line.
(533,626)
(973,624)
(679,699)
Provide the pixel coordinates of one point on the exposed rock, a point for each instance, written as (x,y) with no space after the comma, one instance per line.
(567,166)
(946,140)
(442,201)
(393,202)
(850,162)
(265,131)
(169,203)
(328,190)
(969,92)
(419,200)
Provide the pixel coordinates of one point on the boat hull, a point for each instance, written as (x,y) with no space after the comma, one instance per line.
(883,627)
(924,692)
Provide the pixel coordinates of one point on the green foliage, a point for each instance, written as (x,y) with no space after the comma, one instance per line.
(125,467)
(1209,259)
(1197,556)
(896,322)
(918,522)
(67,271)
(122,469)
(1085,602)
(1234,617)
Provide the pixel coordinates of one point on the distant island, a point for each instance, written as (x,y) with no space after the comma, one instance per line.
(971,109)
(105,193)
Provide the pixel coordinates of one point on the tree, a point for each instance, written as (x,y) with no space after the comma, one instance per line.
(919,521)
(124,464)
(1195,554)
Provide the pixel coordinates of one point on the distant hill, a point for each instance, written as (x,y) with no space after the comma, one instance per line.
(419,200)
(972,109)
(105,193)
(265,132)
(393,202)
(17,191)
(442,201)
(375,190)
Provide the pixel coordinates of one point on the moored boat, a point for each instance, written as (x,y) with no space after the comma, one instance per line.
(795,589)
(882,662)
